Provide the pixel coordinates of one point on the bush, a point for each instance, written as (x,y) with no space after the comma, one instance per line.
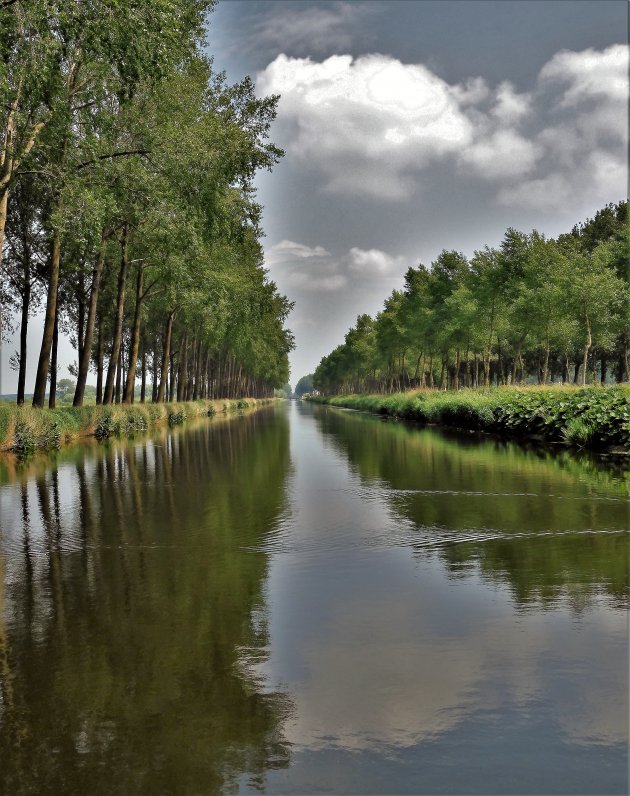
(589,416)
(175,417)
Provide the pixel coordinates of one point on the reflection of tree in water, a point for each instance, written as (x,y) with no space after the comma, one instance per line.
(534,518)
(128,615)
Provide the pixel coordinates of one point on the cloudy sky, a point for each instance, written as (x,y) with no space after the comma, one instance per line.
(414,126)
(418,125)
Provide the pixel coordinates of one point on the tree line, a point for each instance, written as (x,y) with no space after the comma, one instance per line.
(127,207)
(532,309)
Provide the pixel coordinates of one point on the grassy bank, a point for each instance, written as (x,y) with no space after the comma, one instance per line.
(590,417)
(24,429)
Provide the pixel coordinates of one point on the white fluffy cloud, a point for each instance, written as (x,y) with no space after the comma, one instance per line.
(374,262)
(366,122)
(589,73)
(297,266)
(503,153)
(372,125)
(585,138)
(290,250)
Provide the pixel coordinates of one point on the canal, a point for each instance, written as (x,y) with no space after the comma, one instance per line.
(309,600)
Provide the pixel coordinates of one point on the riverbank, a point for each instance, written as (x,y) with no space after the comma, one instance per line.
(24,429)
(588,417)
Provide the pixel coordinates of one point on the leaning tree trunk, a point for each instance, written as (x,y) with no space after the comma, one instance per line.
(118,323)
(84,362)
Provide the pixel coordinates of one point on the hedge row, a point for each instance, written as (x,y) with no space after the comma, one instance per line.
(592,417)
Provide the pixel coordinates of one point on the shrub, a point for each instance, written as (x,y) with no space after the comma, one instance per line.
(175,417)
(590,416)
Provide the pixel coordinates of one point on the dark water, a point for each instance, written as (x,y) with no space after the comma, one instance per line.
(306,600)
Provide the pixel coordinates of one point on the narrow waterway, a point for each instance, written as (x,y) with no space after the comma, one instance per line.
(309,600)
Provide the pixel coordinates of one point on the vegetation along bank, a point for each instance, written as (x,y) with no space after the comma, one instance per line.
(24,429)
(592,417)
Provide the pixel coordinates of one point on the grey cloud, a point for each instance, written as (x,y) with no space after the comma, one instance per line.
(296,265)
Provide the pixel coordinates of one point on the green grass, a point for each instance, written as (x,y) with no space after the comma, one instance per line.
(589,417)
(24,429)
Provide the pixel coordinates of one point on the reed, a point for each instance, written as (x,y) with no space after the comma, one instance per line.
(24,429)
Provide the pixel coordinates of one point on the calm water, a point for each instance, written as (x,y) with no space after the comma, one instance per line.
(307,600)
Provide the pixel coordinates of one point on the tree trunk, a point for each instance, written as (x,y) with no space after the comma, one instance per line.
(182,368)
(166,353)
(4,206)
(517,360)
(587,347)
(545,364)
(171,381)
(457,366)
(81,314)
(143,375)
(26,300)
(501,376)
(52,395)
(99,364)
(39,393)
(190,372)
(86,352)
(119,368)
(604,368)
(154,369)
(135,340)
(196,385)
(118,323)
(443,374)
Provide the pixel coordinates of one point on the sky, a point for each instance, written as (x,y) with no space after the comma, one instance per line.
(410,127)
(414,126)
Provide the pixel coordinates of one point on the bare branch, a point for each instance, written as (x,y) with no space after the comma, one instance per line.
(112,155)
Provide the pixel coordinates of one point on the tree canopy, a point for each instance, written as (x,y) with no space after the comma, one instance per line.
(127,203)
(531,309)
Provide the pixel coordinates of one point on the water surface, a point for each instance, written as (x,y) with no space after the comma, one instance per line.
(309,600)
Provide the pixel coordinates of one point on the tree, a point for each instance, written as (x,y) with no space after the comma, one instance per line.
(304,385)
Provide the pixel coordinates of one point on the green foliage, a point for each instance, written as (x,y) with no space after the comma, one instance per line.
(591,417)
(24,429)
(175,417)
(304,385)
(530,310)
(136,159)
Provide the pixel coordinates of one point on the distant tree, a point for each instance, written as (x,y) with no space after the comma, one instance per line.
(304,385)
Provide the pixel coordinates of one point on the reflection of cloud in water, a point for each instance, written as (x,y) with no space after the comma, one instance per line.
(380,677)
(381,642)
